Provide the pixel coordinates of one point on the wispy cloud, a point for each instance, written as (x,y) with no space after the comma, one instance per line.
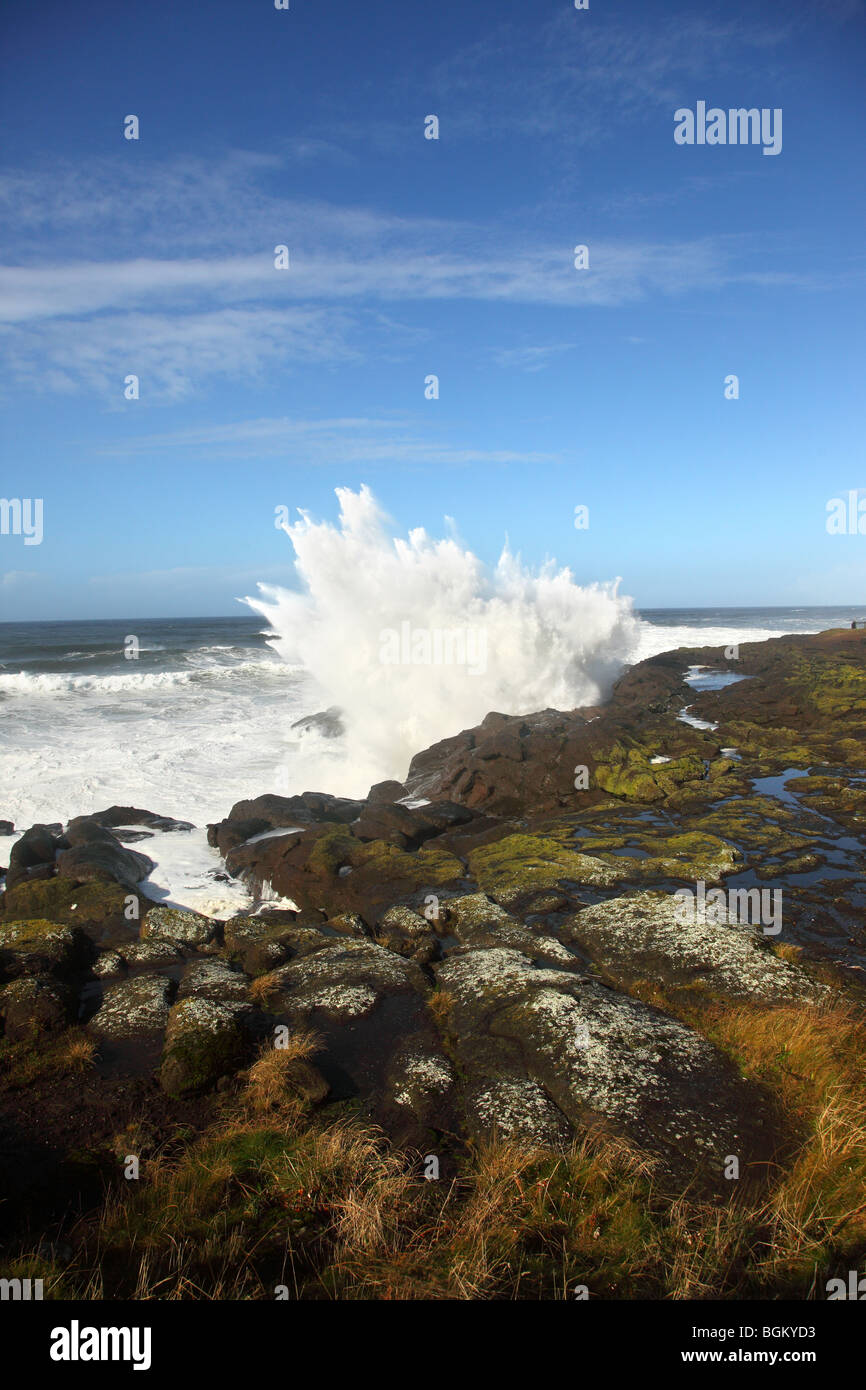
(201,297)
(318,442)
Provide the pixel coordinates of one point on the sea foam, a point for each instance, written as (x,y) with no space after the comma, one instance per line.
(547,641)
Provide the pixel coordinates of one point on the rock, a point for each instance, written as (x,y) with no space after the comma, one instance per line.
(327,870)
(305,1079)
(108,964)
(99,908)
(409,828)
(133,815)
(517,1111)
(156,950)
(139,1005)
(39,948)
(204,1041)
(348,924)
(532,862)
(477,922)
(212,979)
(385,793)
(7,827)
(34,1005)
(34,853)
(421,1088)
(328,723)
(364,1002)
(599,1058)
(95,853)
(259,945)
(179,926)
(228,834)
(640,938)
(408,934)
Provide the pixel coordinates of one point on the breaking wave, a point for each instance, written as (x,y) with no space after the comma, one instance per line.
(414,639)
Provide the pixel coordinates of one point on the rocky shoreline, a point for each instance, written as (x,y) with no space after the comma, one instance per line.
(493,950)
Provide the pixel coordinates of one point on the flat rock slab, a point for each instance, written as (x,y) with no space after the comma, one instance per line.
(640,937)
(599,1057)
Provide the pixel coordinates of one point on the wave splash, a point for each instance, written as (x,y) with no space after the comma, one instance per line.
(414,639)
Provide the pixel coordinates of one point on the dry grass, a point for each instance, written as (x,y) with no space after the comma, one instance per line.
(269,1081)
(786,950)
(265,989)
(79,1052)
(276,1196)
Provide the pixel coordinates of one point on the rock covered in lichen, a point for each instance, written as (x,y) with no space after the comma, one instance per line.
(204,1041)
(644,937)
(34,1005)
(139,1005)
(179,926)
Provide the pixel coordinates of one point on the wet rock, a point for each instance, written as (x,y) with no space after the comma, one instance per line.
(327,723)
(115,816)
(385,793)
(327,870)
(94,853)
(409,827)
(34,853)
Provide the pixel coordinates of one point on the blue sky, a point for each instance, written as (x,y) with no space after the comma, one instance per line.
(411,257)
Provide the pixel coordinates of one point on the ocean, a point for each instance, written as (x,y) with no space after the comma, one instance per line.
(202,715)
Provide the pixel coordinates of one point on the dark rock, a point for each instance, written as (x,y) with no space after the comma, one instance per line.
(249,818)
(100,908)
(7,827)
(385,793)
(204,1040)
(33,1005)
(133,815)
(38,947)
(409,827)
(94,857)
(36,850)
(328,723)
